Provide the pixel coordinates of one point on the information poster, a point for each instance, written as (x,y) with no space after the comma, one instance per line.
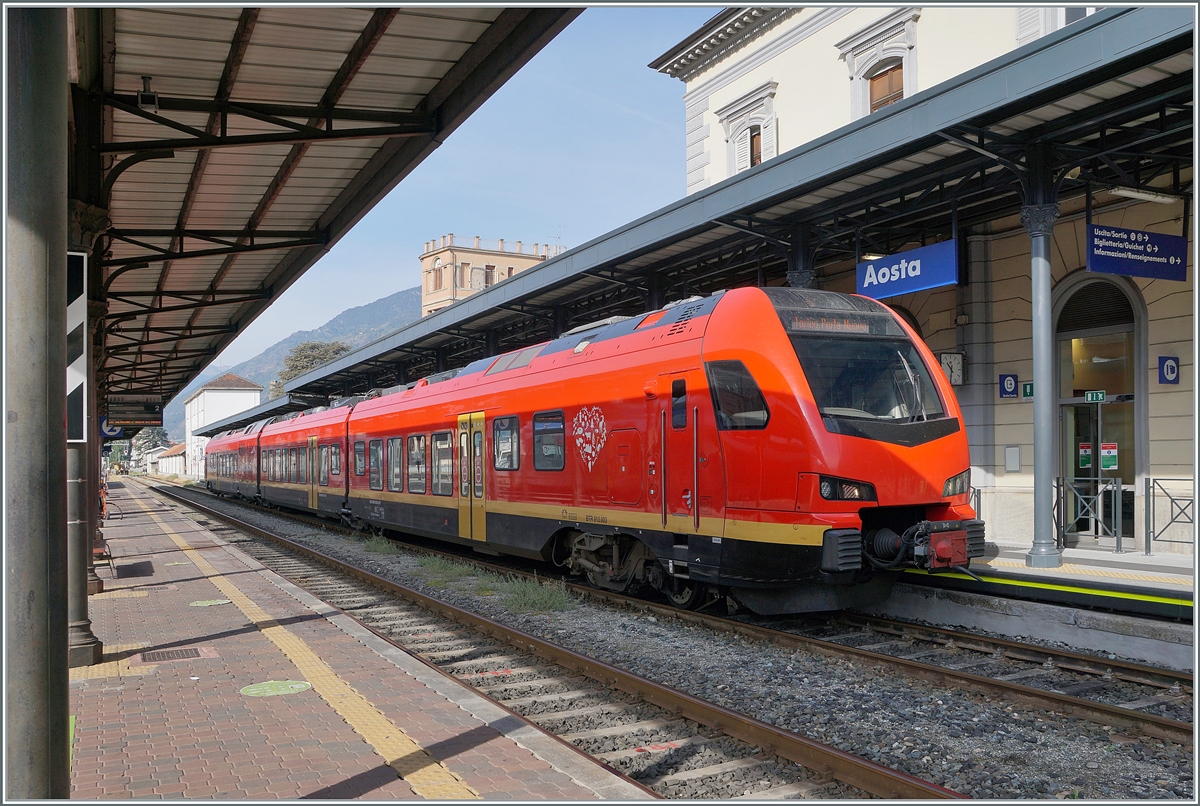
(1108,456)
(1085,454)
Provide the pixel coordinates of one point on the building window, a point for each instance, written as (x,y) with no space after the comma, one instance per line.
(750,128)
(871,54)
(887,87)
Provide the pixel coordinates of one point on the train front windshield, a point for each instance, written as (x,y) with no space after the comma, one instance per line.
(868,377)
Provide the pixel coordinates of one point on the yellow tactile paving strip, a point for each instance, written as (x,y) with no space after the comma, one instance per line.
(427,777)
(1087,570)
(114,663)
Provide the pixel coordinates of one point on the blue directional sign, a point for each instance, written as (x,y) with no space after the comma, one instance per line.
(906,272)
(1133,253)
(1168,369)
(110,431)
(1008,386)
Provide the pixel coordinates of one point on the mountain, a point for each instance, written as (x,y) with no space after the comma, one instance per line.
(354,326)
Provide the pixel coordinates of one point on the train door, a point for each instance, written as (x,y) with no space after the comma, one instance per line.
(680,479)
(312,472)
(472,505)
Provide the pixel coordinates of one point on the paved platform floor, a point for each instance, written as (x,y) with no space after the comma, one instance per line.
(188,623)
(1170,573)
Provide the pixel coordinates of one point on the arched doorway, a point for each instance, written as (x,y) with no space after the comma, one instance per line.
(1100,360)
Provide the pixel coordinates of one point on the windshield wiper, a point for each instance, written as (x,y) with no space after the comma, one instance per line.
(918,398)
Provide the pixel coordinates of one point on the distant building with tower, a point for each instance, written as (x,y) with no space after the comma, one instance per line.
(219,398)
(455,268)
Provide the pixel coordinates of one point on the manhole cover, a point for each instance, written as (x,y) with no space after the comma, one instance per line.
(273,688)
(209,602)
(160,655)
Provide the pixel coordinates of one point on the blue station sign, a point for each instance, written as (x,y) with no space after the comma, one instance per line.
(1133,253)
(906,272)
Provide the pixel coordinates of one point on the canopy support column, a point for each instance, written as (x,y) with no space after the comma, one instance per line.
(35,296)
(1038,217)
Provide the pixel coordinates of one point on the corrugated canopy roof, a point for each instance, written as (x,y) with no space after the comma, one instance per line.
(273,131)
(1110,96)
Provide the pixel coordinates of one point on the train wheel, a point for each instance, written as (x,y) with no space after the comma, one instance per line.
(684,593)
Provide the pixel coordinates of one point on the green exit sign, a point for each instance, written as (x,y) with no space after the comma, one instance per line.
(1094,397)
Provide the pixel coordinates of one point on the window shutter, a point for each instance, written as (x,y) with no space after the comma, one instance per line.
(1029,25)
(741,152)
(768,139)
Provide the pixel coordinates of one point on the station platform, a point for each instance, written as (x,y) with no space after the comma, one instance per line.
(1131,582)
(222,680)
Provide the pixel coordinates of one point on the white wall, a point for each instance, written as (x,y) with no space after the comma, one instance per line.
(208,407)
(814,93)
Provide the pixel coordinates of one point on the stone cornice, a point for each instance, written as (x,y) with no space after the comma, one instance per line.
(744,66)
(723,34)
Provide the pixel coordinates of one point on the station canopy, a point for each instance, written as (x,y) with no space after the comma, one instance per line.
(239,145)
(1103,103)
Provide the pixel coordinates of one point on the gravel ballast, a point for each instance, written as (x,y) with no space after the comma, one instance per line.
(979,746)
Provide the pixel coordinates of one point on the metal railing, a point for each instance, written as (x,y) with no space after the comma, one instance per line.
(1179,511)
(1089,497)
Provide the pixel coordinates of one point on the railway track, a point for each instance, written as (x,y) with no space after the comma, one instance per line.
(676,744)
(1107,691)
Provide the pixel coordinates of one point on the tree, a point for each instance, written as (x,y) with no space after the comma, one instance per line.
(309,355)
(149,438)
(275,389)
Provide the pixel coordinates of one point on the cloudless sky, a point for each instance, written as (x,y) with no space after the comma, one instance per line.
(581,140)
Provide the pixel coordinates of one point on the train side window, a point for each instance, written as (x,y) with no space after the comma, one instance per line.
(335,459)
(506,453)
(360,458)
(679,403)
(323,462)
(265,468)
(376,479)
(278,464)
(464,463)
(291,460)
(443,463)
(302,471)
(395,453)
(549,441)
(416,464)
(736,397)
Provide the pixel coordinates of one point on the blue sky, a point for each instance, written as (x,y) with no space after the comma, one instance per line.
(583,139)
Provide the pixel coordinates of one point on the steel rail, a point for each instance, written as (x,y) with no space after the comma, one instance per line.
(841,765)
(1065,659)
(1081,708)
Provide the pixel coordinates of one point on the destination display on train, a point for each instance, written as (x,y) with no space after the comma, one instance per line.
(906,272)
(1133,253)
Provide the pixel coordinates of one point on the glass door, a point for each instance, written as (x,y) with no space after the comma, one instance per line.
(1097,444)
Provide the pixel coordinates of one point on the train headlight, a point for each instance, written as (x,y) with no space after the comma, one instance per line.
(834,489)
(957,485)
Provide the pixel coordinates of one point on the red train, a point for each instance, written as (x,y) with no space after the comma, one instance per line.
(783,447)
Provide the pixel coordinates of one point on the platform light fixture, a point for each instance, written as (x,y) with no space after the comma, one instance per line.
(147,99)
(1143,195)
